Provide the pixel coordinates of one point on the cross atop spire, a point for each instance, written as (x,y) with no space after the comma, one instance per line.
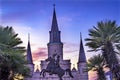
(29,54)
(80,36)
(82,57)
(28,37)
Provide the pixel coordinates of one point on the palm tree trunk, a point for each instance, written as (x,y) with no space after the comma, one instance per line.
(111,60)
(5,72)
(100,73)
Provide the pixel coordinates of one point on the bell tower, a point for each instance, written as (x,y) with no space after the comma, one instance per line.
(55,46)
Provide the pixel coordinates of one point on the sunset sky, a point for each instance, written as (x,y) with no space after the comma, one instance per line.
(74,16)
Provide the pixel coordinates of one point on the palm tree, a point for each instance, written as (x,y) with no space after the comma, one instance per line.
(9,41)
(11,55)
(95,63)
(105,37)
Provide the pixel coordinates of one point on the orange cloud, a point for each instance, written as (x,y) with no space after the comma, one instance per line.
(40,53)
(92,75)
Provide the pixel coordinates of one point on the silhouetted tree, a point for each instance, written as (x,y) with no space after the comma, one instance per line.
(11,54)
(105,37)
(96,63)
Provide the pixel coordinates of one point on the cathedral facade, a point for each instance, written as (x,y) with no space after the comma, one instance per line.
(55,47)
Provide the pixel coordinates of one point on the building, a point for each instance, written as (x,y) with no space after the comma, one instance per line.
(55,46)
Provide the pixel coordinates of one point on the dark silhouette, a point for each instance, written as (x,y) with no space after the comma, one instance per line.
(54,68)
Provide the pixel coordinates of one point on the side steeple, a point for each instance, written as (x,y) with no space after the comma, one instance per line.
(29,58)
(29,54)
(54,33)
(82,57)
(82,65)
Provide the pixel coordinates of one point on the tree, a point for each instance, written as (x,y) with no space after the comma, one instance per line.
(11,55)
(105,37)
(96,63)
(9,41)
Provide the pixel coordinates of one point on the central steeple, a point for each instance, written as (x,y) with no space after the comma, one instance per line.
(54,33)
(55,46)
(54,22)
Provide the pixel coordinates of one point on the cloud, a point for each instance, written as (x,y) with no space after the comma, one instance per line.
(22,28)
(18,27)
(40,53)
(92,75)
(64,21)
(14,12)
(71,47)
(70,51)
(68,45)
(23,31)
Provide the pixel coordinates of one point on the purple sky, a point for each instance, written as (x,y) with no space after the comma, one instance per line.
(74,16)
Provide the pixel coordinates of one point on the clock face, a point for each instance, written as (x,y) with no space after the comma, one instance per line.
(55,51)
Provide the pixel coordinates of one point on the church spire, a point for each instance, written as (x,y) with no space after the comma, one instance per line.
(82,57)
(54,26)
(55,46)
(54,33)
(29,55)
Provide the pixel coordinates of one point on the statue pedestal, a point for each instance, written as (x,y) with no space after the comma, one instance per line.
(54,77)
(64,64)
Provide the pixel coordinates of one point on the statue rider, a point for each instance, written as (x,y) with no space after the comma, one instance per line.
(54,65)
(57,61)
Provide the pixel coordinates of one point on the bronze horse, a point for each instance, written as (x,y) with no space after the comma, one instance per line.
(54,68)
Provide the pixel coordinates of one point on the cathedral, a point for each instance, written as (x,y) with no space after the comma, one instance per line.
(55,46)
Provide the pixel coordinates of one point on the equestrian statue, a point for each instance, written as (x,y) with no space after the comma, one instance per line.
(53,67)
